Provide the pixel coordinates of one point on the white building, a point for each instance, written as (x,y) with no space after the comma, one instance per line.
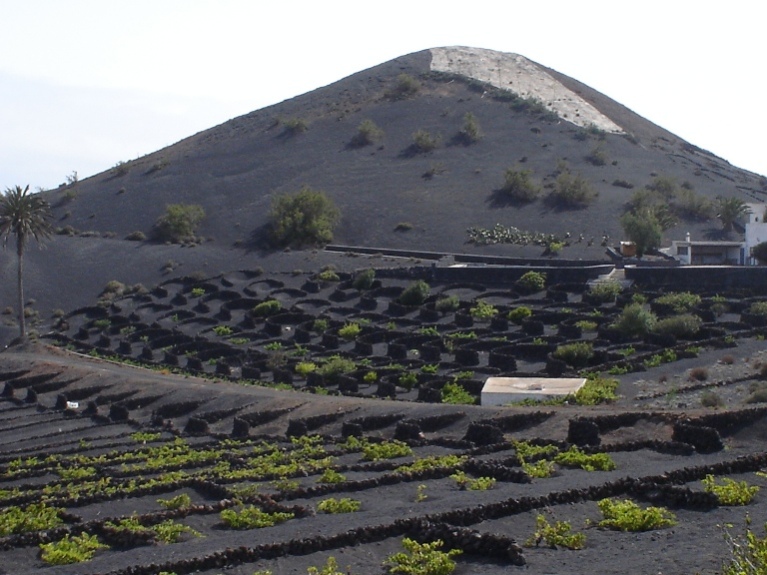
(713,252)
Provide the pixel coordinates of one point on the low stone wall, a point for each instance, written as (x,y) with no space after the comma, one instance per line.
(752,278)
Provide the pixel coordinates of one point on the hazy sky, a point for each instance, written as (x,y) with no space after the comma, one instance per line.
(88,83)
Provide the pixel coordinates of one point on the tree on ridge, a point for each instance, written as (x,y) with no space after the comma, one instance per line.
(23,215)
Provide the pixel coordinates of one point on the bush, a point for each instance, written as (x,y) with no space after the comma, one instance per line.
(483,310)
(586,325)
(698,374)
(683,325)
(711,399)
(692,206)
(758,396)
(334,367)
(759,251)
(598,156)
(343,505)
(70,549)
(136,236)
(405,87)
(268,307)
(518,314)
(597,390)
(572,191)
(680,302)
(628,516)
(367,133)
(252,517)
(415,294)
(748,552)
(575,354)
(349,331)
(424,142)
(328,275)
(635,321)
(479,484)
(471,132)
(33,517)
(557,535)
(364,280)
(385,450)
(305,218)
(729,491)
(422,559)
(304,368)
(574,457)
(449,303)
(179,223)
(453,393)
(295,126)
(605,291)
(518,186)
(644,229)
(330,568)
(758,308)
(532,281)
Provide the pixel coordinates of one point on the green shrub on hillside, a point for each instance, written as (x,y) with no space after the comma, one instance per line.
(178,223)
(405,87)
(471,132)
(424,142)
(367,133)
(572,191)
(307,217)
(518,186)
(295,126)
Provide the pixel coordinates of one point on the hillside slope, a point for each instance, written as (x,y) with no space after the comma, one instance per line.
(235,170)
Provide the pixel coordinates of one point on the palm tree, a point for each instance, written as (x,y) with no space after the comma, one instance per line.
(24,215)
(731,210)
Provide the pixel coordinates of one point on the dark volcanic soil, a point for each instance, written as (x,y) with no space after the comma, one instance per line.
(650,469)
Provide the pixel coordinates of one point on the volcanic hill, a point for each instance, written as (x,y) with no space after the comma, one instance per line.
(233,395)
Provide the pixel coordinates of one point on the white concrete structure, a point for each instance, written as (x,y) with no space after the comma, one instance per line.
(506,390)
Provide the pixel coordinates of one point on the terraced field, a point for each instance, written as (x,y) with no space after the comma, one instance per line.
(220,454)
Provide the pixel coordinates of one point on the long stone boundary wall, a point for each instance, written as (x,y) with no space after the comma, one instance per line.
(497,275)
(466,258)
(752,278)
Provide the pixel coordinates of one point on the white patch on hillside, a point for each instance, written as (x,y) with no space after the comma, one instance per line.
(517,74)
